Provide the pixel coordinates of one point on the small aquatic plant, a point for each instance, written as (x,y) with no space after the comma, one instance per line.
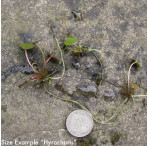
(78,50)
(41,74)
(70,43)
(129,91)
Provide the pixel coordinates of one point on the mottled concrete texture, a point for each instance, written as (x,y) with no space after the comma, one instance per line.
(115,27)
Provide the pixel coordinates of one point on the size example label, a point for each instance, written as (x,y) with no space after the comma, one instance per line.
(35,142)
(17,142)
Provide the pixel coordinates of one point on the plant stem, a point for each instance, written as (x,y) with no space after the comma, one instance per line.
(101,67)
(124,110)
(84,108)
(60,53)
(43,68)
(139,95)
(61,60)
(30,62)
(129,73)
(41,52)
(98,52)
(118,108)
(127,107)
(66,99)
(54,70)
(23,83)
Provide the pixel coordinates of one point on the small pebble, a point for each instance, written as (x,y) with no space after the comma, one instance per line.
(77,15)
(87,90)
(76,65)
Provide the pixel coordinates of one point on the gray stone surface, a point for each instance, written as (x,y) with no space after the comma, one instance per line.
(115,27)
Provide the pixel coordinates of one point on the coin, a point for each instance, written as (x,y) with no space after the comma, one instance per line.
(79,123)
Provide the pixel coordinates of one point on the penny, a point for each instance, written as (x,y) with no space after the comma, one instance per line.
(79,123)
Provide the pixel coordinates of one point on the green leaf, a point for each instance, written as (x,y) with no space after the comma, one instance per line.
(70,40)
(26,45)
